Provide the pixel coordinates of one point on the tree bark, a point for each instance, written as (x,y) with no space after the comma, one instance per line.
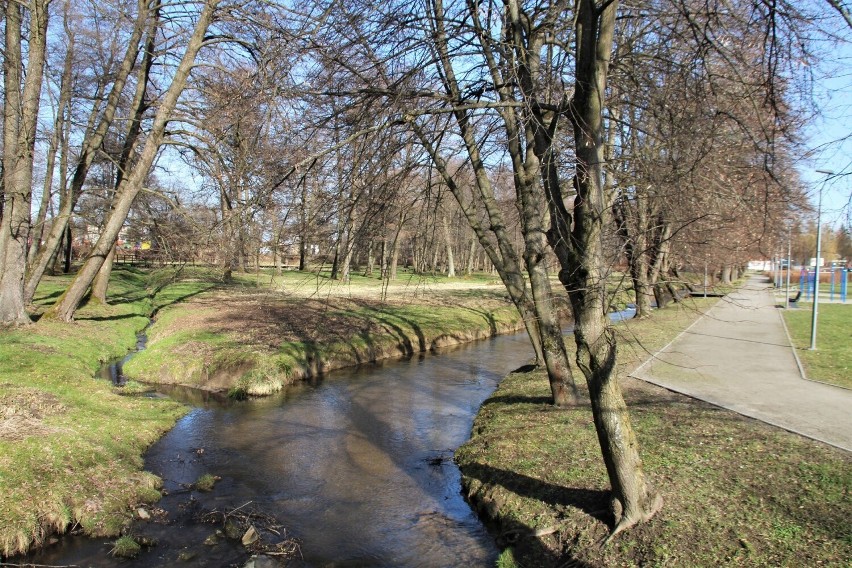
(471,258)
(70,300)
(101,282)
(69,250)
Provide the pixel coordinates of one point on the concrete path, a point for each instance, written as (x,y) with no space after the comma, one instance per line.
(738,356)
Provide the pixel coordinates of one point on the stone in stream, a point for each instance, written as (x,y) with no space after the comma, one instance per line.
(250,537)
(262,562)
(232,529)
(143,514)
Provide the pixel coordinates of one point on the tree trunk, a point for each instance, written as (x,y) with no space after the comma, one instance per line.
(20,121)
(69,301)
(101,282)
(451,265)
(58,145)
(335,264)
(526,169)
(303,229)
(383,258)
(395,246)
(368,271)
(394,261)
(346,249)
(69,250)
(580,250)
(134,128)
(44,205)
(303,254)
(100,119)
(503,258)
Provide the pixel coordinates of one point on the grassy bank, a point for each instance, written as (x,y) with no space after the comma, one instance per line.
(70,445)
(832,360)
(256,336)
(737,492)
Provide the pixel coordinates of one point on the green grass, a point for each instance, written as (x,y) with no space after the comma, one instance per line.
(206,482)
(736,492)
(125,547)
(832,360)
(67,453)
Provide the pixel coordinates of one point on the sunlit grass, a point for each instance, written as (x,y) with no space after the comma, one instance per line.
(831,362)
(232,341)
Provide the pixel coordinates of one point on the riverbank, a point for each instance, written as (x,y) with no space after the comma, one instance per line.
(254,338)
(71,445)
(736,491)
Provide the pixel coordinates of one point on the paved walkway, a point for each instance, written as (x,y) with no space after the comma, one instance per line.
(738,356)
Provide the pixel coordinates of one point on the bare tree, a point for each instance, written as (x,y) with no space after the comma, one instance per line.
(69,301)
(97,126)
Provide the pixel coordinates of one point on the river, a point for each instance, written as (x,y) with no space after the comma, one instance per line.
(357,466)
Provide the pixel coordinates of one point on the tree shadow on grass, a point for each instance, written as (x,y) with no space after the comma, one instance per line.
(507,400)
(178,299)
(115,317)
(530,549)
(593,502)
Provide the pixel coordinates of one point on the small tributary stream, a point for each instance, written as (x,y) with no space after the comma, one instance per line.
(357,466)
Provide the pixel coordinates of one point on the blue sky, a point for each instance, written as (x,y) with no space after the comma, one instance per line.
(829,137)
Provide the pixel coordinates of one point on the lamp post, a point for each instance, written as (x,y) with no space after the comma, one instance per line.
(816,262)
(789,264)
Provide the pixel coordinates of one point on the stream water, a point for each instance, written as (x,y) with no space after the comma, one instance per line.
(357,466)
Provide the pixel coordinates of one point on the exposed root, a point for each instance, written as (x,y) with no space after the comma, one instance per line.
(633,518)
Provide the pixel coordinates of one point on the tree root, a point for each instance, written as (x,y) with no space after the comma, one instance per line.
(634,518)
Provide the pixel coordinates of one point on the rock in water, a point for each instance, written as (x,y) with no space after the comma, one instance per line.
(262,562)
(232,529)
(143,514)
(251,536)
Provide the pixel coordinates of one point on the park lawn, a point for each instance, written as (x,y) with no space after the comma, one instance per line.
(831,362)
(736,492)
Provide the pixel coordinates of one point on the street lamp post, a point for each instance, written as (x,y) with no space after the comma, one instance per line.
(816,262)
(789,264)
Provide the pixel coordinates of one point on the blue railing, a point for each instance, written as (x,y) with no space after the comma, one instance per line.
(838,282)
